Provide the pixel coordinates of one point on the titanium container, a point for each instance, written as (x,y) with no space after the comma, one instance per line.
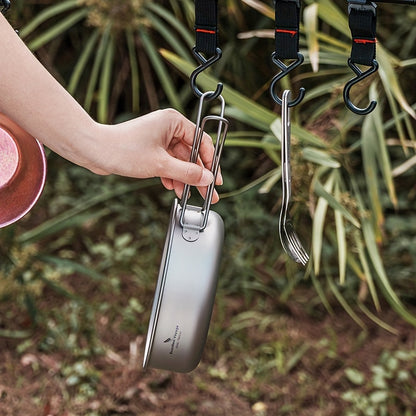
(185,292)
(187,281)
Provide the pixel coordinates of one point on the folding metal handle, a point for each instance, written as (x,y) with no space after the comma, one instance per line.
(219,144)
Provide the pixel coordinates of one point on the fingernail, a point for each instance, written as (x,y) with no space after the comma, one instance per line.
(207,177)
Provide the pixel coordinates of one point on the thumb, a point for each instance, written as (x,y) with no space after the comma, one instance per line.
(187,172)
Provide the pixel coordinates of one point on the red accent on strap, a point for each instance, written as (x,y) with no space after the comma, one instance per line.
(211,32)
(365,41)
(291,32)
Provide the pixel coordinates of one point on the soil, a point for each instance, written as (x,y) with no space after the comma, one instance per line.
(306,375)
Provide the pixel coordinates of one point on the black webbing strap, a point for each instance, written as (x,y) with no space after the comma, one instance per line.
(287,17)
(363,22)
(206,21)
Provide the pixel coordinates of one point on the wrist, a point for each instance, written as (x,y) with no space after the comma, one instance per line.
(76,141)
(91,149)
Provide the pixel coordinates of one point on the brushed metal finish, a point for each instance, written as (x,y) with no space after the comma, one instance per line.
(185,294)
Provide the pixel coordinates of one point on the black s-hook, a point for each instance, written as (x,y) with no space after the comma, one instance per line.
(6,6)
(204,64)
(360,76)
(285,71)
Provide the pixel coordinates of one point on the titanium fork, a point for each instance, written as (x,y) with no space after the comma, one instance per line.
(288,236)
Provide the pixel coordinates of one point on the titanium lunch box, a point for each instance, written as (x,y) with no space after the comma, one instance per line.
(187,281)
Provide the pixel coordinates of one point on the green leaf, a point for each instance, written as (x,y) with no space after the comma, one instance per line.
(134,68)
(367,277)
(99,56)
(105,84)
(260,7)
(320,157)
(341,238)
(345,304)
(173,22)
(15,333)
(389,77)
(310,19)
(82,61)
(379,396)
(162,73)
(377,320)
(371,245)
(355,376)
(75,216)
(168,34)
(377,262)
(251,143)
(383,159)
(273,175)
(370,153)
(332,201)
(240,101)
(319,223)
(47,14)
(298,132)
(73,266)
(320,291)
(333,16)
(57,29)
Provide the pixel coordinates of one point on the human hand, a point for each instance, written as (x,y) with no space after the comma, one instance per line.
(157,144)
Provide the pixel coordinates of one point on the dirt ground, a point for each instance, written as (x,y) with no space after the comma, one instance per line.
(305,374)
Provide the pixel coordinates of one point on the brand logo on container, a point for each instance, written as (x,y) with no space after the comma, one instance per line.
(174,340)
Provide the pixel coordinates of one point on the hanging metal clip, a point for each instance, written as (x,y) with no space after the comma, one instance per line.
(363,48)
(285,71)
(360,76)
(193,224)
(6,6)
(204,64)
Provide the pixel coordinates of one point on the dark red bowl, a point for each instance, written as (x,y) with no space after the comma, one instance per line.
(22,171)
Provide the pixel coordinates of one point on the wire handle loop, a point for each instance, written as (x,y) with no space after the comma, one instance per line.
(285,69)
(204,64)
(360,76)
(219,144)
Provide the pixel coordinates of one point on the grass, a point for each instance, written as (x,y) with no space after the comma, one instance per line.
(273,348)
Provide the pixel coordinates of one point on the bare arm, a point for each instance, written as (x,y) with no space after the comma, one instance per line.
(157,144)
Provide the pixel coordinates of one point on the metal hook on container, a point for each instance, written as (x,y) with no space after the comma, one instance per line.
(204,64)
(6,6)
(360,76)
(285,71)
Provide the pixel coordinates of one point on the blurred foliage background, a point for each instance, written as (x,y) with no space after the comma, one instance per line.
(353,176)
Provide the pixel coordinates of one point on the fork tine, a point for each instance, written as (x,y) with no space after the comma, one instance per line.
(298,249)
(292,245)
(296,243)
(299,244)
(302,253)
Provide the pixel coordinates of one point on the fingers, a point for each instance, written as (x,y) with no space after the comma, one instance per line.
(186,172)
(182,151)
(176,168)
(178,187)
(167,183)
(184,133)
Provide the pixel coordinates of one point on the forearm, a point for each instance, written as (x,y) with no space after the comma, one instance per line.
(37,102)
(157,144)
